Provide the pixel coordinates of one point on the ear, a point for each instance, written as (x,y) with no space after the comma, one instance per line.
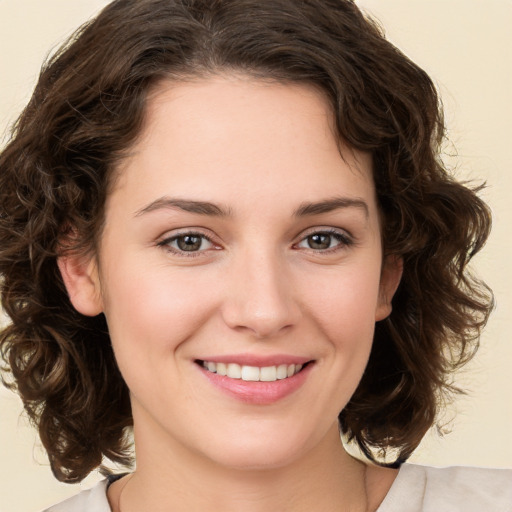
(80,276)
(391,273)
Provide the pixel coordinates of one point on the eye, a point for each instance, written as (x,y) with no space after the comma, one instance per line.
(324,240)
(187,243)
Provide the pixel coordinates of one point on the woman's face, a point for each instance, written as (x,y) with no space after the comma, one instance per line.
(238,239)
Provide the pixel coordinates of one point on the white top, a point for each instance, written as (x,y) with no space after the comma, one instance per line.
(415,489)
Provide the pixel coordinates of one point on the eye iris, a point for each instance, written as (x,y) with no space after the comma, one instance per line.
(319,241)
(189,242)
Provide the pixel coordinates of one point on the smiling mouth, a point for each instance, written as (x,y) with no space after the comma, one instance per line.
(253,373)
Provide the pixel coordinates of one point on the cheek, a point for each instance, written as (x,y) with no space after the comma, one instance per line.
(154,311)
(343,307)
(344,302)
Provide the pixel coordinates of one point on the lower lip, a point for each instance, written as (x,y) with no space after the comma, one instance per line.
(258,393)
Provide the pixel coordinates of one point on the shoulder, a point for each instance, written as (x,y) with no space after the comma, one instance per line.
(452,489)
(91,500)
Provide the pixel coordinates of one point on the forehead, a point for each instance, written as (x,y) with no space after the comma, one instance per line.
(233,137)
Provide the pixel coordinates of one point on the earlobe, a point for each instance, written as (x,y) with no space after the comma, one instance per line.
(80,276)
(392,269)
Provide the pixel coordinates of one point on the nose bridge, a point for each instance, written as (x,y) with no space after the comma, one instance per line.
(259,296)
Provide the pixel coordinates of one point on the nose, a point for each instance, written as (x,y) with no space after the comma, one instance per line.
(259,297)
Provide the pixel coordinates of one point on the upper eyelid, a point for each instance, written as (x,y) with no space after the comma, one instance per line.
(324,229)
(173,234)
(345,239)
(166,241)
(169,236)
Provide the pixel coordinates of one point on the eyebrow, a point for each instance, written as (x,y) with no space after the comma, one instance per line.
(216,210)
(329,205)
(187,205)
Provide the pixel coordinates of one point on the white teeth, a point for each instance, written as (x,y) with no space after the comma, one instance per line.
(250,373)
(268,374)
(253,373)
(221,369)
(234,371)
(282,371)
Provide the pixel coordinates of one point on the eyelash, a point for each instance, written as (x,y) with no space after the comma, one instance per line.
(344,240)
(187,254)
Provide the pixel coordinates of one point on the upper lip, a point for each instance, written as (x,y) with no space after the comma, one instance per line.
(257,360)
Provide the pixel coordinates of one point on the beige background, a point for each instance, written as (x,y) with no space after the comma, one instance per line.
(466,45)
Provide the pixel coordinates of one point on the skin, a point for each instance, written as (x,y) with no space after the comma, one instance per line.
(259,151)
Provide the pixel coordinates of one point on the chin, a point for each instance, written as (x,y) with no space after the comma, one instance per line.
(262,451)
(257,460)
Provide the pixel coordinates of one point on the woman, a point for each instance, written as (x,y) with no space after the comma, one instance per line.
(226,225)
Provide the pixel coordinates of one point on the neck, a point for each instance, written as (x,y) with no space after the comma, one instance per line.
(324,479)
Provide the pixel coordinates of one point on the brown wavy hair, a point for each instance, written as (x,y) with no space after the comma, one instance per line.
(85,113)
